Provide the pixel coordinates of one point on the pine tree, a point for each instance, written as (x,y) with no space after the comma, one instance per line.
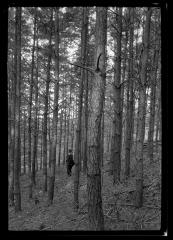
(95,211)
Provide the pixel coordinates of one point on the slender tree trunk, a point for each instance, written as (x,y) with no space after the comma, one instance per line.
(46,113)
(49,137)
(136,91)
(123,88)
(35,125)
(60,138)
(116,136)
(65,119)
(102,139)
(67,133)
(55,114)
(129,100)
(77,155)
(69,119)
(17,156)
(72,137)
(141,116)
(30,108)
(152,105)
(158,120)
(85,125)
(12,135)
(24,143)
(95,211)
(12,128)
(41,157)
(37,143)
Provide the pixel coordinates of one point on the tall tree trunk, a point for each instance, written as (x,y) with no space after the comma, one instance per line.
(30,107)
(24,143)
(72,137)
(46,112)
(49,133)
(141,115)
(41,157)
(70,120)
(129,99)
(37,140)
(17,157)
(116,135)
(85,125)
(102,139)
(55,113)
(77,155)
(158,117)
(152,104)
(12,127)
(60,138)
(95,211)
(123,88)
(65,119)
(67,133)
(35,124)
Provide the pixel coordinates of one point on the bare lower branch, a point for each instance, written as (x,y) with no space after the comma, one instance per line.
(86,68)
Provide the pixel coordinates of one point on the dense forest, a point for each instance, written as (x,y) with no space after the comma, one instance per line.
(84,83)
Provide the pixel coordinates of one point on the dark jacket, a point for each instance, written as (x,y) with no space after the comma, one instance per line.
(69,160)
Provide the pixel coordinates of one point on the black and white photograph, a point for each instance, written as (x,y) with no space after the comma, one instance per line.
(85,118)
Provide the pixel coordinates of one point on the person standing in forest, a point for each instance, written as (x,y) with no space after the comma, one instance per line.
(69,162)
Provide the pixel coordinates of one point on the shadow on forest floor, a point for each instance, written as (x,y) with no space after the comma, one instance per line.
(118,203)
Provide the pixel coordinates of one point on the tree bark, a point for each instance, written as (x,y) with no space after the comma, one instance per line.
(152,104)
(60,138)
(12,124)
(35,124)
(85,125)
(65,119)
(24,143)
(41,157)
(141,114)
(77,155)
(129,99)
(17,157)
(95,211)
(30,107)
(116,135)
(55,113)
(158,117)
(46,112)
(123,113)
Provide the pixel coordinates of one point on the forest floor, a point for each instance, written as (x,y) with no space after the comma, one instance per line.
(118,203)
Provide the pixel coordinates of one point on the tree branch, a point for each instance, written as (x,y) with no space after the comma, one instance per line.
(86,68)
